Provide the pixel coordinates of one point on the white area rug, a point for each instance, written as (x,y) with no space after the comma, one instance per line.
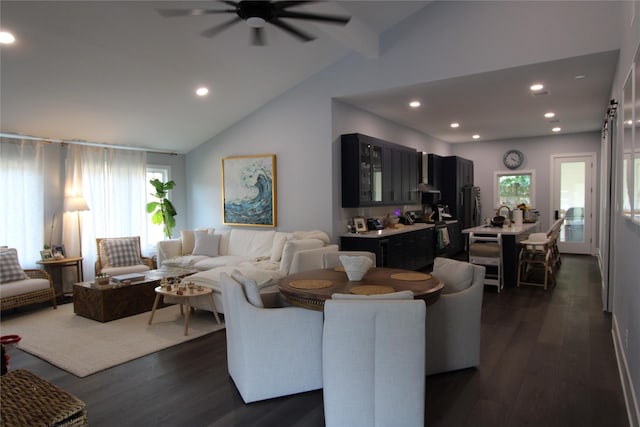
(83,346)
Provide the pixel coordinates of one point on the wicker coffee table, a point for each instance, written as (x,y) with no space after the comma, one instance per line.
(116,301)
(28,400)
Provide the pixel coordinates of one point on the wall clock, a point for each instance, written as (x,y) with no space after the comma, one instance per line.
(513,159)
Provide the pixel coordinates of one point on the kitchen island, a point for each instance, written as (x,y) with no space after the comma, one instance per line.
(511,236)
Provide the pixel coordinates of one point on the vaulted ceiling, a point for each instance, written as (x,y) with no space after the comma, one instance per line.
(118,72)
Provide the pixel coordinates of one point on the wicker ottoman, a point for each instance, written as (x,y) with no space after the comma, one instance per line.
(28,400)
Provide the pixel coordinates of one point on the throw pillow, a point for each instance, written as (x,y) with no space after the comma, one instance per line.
(250,288)
(205,243)
(121,252)
(188,241)
(293,246)
(278,245)
(456,275)
(10,269)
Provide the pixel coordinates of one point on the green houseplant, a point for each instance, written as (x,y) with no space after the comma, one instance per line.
(162,211)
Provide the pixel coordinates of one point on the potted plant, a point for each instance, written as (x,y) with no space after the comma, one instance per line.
(162,211)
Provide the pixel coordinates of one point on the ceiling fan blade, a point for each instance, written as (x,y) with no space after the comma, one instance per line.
(332,19)
(173,13)
(258,37)
(286,4)
(219,28)
(292,30)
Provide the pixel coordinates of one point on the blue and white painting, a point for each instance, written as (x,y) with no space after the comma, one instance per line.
(249,190)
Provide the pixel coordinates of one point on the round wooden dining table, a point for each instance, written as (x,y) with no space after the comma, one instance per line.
(310,289)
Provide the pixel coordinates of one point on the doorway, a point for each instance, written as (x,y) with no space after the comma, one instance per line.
(572,197)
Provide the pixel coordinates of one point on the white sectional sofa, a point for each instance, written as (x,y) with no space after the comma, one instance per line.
(262,255)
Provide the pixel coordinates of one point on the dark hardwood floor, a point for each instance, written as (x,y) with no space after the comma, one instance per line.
(547,360)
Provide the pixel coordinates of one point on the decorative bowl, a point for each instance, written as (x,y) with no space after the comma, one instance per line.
(356,266)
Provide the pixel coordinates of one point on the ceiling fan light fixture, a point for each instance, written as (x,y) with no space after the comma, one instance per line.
(256,22)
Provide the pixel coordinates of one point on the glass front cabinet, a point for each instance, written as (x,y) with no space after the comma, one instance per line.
(376,172)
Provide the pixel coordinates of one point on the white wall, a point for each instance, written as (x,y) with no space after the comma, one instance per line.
(625,244)
(487,158)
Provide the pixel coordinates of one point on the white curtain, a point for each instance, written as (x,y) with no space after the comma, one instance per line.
(22,193)
(112,181)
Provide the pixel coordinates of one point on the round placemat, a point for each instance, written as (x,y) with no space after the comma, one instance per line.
(411,276)
(371,290)
(310,284)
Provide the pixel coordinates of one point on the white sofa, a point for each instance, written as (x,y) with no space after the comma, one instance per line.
(262,255)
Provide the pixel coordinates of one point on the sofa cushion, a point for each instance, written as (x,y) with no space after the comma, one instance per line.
(293,246)
(251,243)
(10,269)
(120,252)
(20,287)
(207,263)
(456,275)
(186,261)
(205,243)
(250,288)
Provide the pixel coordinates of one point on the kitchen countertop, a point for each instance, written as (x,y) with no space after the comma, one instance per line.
(527,227)
(375,234)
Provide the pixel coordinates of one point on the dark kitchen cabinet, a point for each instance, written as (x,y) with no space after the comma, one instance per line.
(411,250)
(377,172)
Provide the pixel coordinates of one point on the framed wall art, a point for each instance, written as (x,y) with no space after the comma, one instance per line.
(249,190)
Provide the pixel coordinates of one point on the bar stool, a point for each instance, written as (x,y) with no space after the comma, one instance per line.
(487,251)
(537,254)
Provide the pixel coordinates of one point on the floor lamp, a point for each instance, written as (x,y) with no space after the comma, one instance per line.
(76,204)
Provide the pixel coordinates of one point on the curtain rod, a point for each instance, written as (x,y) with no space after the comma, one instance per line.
(88,143)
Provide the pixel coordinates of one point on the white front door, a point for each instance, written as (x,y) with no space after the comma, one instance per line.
(572,196)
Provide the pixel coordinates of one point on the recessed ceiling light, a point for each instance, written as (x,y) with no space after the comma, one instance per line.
(455,125)
(414,104)
(580,76)
(6,37)
(202,91)
(476,136)
(537,86)
(549,114)
(556,129)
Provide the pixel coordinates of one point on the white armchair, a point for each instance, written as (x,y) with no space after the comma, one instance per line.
(271,352)
(453,322)
(373,362)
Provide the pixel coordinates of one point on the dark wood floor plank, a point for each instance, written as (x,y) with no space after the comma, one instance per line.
(547,359)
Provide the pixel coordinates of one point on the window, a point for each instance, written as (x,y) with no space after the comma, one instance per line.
(512,189)
(154,231)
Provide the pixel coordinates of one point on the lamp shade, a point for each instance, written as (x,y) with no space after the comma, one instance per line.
(75,204)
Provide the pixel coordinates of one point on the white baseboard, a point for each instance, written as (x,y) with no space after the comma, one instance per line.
(630,398)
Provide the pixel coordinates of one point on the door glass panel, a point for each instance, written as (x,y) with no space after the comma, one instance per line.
(572,200)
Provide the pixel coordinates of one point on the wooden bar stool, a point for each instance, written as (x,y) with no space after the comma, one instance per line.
(536,255)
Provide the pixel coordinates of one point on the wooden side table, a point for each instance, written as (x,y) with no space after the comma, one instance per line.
(185,297)
(54,268)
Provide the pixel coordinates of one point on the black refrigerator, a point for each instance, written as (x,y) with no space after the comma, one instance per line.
(471,208)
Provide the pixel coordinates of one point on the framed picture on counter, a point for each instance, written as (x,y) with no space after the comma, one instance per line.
(360,224)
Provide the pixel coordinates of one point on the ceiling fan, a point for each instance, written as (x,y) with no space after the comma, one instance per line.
(257,14)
